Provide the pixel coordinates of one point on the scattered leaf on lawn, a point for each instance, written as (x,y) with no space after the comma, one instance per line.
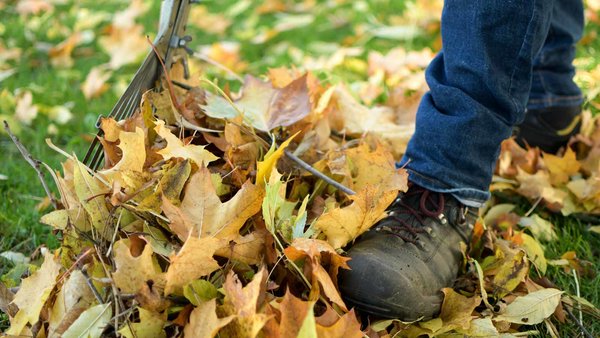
(532,308)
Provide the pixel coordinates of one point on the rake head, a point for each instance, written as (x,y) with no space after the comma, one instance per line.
(170,42)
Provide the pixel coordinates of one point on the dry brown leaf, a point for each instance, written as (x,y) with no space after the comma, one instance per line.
(245,303)
(194,260)
(293,314)
(74,297)
(347,326)
(312,249)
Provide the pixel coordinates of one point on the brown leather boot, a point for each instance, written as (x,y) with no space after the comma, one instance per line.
(399,267)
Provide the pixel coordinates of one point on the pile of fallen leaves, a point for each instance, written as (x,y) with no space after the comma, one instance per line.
(200,223)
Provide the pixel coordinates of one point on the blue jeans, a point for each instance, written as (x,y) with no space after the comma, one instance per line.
(499,57)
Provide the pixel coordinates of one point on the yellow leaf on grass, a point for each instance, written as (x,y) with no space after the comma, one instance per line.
(532,308)
(204,322)
(33,293)
(561,168)
(194,260)
(176,148)
(150,325)
(95,82)
(342,225)
(133,272)
(264,167)
(208,216)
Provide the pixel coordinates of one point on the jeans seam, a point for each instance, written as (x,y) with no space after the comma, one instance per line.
(520,56)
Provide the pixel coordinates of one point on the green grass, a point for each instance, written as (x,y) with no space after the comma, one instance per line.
(333,27)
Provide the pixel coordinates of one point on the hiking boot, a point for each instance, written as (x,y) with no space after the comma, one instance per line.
(399,267)
(549,128)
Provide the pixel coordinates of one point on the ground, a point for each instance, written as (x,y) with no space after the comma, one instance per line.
(265,40)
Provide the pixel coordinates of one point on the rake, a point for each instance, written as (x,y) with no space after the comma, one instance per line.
(170,42)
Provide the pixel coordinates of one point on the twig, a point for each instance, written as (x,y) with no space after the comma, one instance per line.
(578,294)
(579,324)
(317,173)
(35,164)
(92,287)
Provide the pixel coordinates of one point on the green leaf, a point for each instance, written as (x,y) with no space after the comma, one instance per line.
(199,291)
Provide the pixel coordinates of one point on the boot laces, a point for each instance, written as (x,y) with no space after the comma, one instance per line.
(431,205)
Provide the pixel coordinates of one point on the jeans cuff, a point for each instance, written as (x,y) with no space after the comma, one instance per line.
(468,196)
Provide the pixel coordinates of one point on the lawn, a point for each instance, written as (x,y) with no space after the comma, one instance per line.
(248,37)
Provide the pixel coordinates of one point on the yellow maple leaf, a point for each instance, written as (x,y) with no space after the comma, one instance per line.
(132,272)
(132,144)
(204,322)
(561,168)
(342,225)
(33,293)
(176,148)
(194,260)
(208,216)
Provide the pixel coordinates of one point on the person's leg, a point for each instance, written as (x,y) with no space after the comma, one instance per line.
(555,100)
(479,87)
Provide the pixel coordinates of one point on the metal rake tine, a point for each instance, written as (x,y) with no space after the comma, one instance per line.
(169,41)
